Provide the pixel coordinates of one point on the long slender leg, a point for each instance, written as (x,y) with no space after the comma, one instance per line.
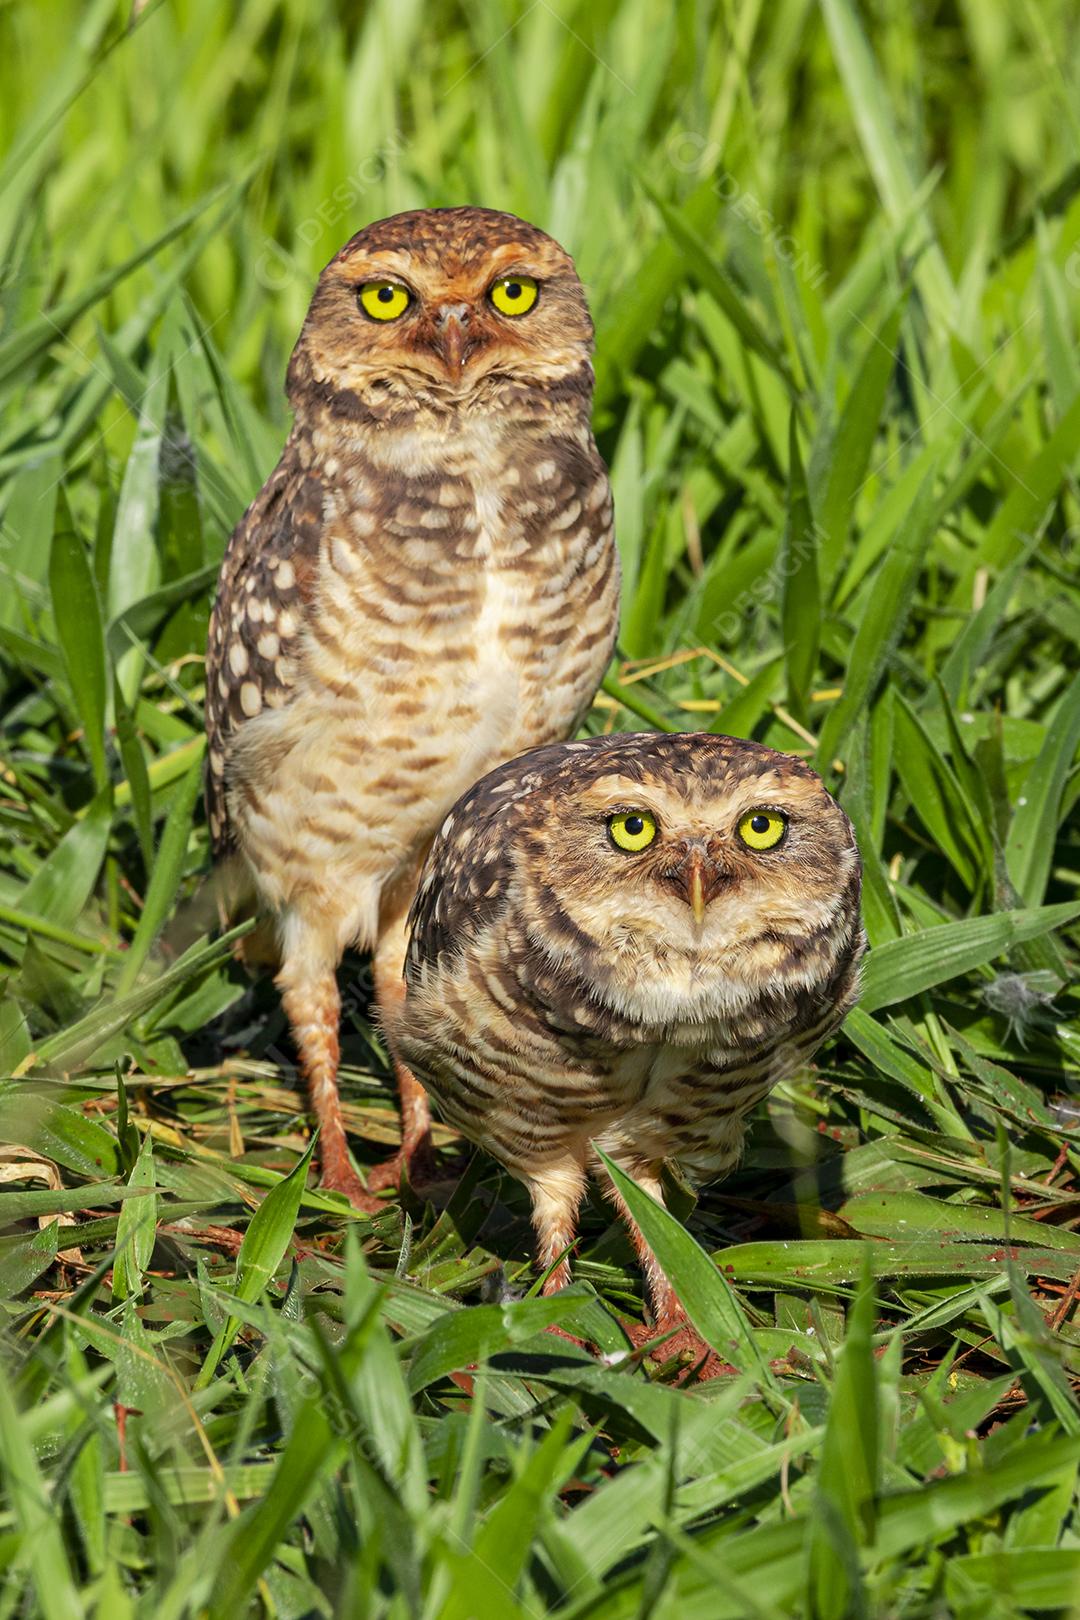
(663,1301)
(556,1193)
(668,1312)
(309,993)
(416,1156)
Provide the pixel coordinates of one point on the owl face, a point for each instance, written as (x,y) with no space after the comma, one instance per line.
(685,871)
(447,301)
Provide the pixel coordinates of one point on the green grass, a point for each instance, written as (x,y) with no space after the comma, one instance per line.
(833,252)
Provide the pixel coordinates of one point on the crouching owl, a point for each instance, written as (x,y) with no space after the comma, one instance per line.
(425,586)
(624,943)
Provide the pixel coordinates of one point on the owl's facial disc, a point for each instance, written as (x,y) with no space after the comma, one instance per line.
(665,873)
(459,305)
(690,896)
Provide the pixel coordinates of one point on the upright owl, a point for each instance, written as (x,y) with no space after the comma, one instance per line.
(425,586)
(624,943)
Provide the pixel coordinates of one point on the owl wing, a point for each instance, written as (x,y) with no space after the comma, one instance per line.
(265,586)
(466,879)
(462,887)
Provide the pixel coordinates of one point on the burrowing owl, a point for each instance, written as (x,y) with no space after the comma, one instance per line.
(426,585)
(627,941)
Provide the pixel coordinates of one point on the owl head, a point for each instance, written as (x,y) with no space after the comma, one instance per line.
(676,876)
(447,304)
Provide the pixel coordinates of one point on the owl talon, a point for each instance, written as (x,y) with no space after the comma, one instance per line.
(349,1183)
(416,1165)
(388,1173)
(560,1332)
(338,1175)
(684,1344)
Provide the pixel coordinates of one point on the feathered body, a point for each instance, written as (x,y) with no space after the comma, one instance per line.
(564,992)
(425,586)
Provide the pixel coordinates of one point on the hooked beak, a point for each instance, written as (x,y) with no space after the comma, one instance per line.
(451,335)
(699,881)
(695,891)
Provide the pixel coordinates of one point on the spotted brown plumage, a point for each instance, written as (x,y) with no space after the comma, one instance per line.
(426,585)
(564,992)
(255,626)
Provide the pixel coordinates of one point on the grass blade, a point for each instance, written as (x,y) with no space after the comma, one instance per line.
(261,1253)
(901,968)
(77,612)
(166,875)
(882,624)
(704,1290)
(1029,848)
(800,595)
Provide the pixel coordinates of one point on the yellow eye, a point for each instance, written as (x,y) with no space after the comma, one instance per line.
(762,829)
(383,300)
(632,830)
(514,295)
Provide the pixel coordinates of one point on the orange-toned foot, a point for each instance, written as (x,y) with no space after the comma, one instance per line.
(338,1175)
(413,1161)
(355,1191)
(561,1333)
(681,1340)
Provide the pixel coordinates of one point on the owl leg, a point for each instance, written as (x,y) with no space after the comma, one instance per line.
(416,1156)
(667,1309)
(663,1301)
(309,993)
(556,1194)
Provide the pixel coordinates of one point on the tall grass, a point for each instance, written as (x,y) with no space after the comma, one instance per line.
(833,252)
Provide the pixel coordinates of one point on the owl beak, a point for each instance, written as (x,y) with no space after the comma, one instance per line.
(695,891)
(700,880)
(451,335)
